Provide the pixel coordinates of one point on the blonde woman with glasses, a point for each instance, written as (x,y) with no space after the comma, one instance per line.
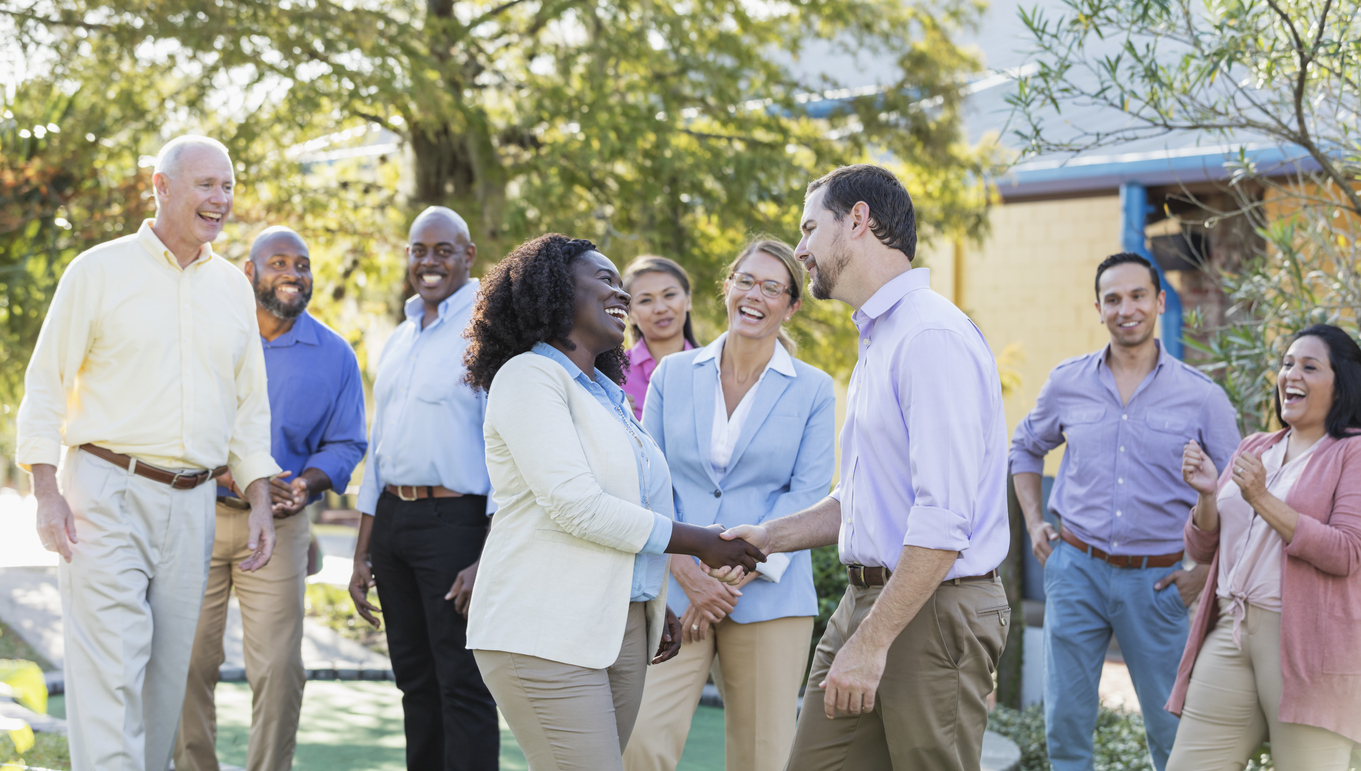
(748,432)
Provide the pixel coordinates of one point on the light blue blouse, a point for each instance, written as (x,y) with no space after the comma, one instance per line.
(649,567)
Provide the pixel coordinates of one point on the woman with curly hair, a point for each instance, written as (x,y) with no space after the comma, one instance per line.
(571,593)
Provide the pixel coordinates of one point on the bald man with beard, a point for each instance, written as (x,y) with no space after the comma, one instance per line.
(316,401)
(426,501)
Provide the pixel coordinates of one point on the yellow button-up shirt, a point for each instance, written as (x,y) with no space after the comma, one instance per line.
(150,360)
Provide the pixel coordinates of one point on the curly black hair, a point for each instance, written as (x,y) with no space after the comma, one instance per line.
(529,297)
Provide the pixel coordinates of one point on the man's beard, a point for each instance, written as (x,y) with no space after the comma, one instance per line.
(829,270)
(286,311)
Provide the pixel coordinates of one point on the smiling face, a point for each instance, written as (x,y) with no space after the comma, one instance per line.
(194,198)
(1304,384)
(1128,304)
(439,258)
(280,270)
(601,312)
(751,313)
(658,305)
(822,248)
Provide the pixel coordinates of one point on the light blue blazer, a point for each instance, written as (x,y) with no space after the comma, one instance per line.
(782,463)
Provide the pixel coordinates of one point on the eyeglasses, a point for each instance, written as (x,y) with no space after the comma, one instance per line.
(745,281)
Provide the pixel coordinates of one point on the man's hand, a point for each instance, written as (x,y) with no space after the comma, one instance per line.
(755,535)
(719,552)
(1041,536)
(854,678)
(671,639)
(462,590)
(56,523)
(259,526)
(1189,583)
(288,498)
(361,581)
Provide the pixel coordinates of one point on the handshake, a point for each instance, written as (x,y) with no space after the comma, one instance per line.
(728,555)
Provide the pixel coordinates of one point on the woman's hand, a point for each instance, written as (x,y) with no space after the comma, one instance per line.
(1250,475)
(711,596)
(671,639)
(1199,470)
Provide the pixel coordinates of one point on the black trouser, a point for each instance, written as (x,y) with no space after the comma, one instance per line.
(418,548)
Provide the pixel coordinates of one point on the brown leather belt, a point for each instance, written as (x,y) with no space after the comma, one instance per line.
(418,492)
(233,503)
(1121,560)
(179,481)
(866,576)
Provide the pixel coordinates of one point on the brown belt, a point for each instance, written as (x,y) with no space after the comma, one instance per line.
(179,481)
(863,576)
(233,503)
(418,492)
(1121,560)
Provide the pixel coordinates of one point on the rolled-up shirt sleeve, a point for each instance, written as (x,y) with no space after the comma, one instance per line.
(1039,432)
(342,442)
(941,394)
(63,343)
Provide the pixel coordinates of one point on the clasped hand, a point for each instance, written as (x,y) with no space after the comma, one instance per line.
(756,536)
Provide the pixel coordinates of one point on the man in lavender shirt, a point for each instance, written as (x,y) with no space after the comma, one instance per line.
(920,514)
(1125,411)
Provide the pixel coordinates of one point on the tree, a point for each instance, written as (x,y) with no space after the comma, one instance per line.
(649,127)
(1247,73)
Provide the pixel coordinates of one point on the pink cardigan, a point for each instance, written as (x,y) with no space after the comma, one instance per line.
(1320,591)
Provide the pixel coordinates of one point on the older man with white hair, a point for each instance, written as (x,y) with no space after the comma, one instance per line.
(149,370)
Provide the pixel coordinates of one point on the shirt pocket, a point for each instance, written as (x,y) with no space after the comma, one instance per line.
(1082,432)
(1165,440)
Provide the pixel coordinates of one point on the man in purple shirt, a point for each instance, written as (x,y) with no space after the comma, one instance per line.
(920,513)
(1126,412)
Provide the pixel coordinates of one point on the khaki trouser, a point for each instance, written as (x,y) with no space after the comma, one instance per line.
(130,602)
(1231,705)
(930,710)
(763,666)
(569,718)
(271,623)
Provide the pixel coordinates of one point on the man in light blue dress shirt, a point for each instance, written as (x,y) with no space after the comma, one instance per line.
(426,500)
(1115,567)
(901,678)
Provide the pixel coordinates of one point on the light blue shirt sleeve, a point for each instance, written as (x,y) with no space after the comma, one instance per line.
(660,537)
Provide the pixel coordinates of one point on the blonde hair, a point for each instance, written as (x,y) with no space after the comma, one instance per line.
(785,254)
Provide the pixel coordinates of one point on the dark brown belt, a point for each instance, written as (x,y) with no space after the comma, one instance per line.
(1122,560)
(417,492)
(863,576)
(232,502)
(179,481)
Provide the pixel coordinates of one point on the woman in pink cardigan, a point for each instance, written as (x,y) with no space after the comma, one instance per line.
(1275,649)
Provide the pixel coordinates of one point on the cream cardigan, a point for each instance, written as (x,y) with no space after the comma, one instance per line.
(557,568)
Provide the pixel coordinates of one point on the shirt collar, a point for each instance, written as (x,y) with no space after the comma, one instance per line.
(303,331)
(1163,356)
(615,393)
(780,361)
(639,354)
(891,294)
(459,300)
(152,243)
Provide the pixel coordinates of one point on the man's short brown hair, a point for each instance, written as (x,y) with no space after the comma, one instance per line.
(892,217)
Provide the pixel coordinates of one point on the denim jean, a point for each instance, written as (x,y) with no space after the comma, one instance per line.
(1086,600)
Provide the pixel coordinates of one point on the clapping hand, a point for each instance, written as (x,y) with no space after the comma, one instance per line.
(1250,475)
(1198,469)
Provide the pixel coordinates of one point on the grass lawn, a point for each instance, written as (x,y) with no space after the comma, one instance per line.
(358,725)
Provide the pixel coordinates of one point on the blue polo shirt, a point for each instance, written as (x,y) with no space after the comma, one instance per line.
(316,403)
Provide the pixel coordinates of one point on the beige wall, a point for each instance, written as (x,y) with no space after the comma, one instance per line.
(1028,286)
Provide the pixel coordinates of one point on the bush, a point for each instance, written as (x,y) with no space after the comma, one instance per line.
(829,581)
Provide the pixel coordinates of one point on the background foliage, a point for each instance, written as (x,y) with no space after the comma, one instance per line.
(672,128)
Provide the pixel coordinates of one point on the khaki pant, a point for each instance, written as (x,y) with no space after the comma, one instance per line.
(271,622)
(1231,705)
(569,718)
(763,666)
(130,602)
(930,710)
